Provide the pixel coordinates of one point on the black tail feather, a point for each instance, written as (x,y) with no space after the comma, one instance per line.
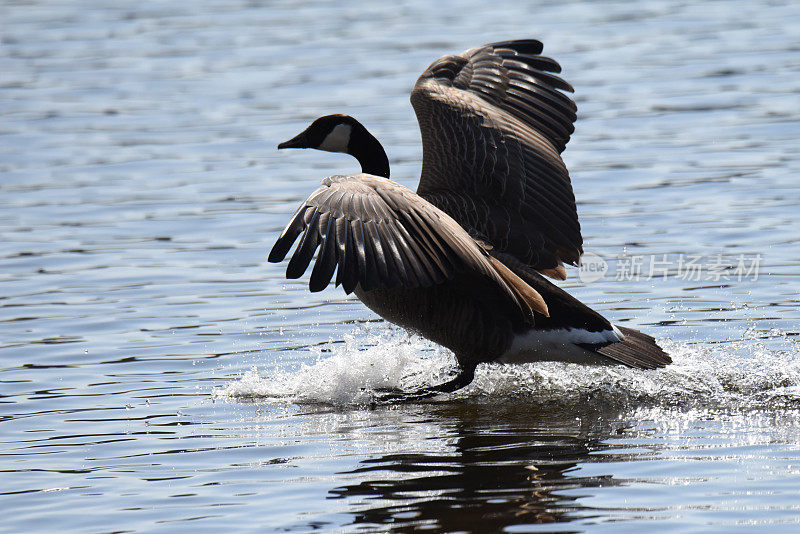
(636,350)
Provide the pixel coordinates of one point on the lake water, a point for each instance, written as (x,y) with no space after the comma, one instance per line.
(158,375)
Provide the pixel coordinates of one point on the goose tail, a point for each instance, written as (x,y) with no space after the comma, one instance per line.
(636,349)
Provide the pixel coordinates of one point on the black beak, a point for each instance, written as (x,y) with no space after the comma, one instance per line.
(298,141)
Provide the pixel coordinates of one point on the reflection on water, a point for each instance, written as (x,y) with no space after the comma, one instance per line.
(504,466)
(490,466)
(156,374)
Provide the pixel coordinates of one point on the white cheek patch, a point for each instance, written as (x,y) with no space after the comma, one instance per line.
(338,139)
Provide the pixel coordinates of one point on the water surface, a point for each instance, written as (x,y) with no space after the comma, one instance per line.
(157,374)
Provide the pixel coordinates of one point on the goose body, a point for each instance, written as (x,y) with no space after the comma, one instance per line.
(460,261)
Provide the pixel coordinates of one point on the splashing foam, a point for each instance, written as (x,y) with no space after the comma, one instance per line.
(351,373)
(742,375)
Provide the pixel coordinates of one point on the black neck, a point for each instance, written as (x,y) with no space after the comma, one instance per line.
(369,153)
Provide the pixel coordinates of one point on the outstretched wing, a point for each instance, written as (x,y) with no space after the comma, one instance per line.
(378,234)
(494,121)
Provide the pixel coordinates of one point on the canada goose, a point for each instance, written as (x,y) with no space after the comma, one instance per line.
(459,261)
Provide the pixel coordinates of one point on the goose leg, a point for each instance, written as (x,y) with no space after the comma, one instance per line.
(461,380)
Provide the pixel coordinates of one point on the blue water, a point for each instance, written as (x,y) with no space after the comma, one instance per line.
(158,375)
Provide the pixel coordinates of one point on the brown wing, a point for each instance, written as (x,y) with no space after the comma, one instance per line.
(494,121)
(378,234)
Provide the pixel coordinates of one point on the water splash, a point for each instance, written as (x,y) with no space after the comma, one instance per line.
(352,372)
(742,375)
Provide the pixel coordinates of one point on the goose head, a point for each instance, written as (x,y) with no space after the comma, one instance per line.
(343,133)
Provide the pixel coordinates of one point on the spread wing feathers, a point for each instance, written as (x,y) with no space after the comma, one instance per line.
(378,234)
(512,75)
(494,121)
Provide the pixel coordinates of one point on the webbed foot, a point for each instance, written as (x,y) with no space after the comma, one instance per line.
(395,395)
